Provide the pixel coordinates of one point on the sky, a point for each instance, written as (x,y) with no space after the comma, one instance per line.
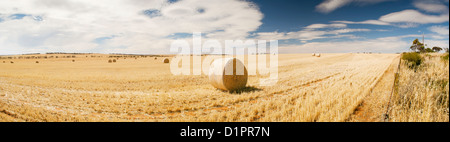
(150,26)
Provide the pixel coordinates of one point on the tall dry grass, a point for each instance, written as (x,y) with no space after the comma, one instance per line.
(422,93)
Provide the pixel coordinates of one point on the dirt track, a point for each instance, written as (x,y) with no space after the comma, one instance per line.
(373,108)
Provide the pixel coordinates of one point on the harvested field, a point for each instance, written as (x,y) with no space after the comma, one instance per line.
(329,88)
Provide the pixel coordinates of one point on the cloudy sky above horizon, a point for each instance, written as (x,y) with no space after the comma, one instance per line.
(150,26)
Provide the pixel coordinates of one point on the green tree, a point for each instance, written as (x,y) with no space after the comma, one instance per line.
(417,45)
(436,49)
(429,50)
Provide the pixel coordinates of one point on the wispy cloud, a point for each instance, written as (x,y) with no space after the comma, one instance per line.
(385,45)
(320,26)
(441,30)
(370,22)
(433,6)
(328,6)
(312,32)
(414,16)
(410,17)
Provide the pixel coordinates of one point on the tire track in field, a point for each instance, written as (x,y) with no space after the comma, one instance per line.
(367,109)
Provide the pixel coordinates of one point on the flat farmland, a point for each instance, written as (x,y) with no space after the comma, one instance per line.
(327,88)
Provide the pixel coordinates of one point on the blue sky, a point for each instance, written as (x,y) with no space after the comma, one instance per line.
(150,26)
(292,15)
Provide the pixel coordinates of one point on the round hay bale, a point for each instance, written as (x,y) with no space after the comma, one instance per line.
(73,60)
(228,82)
(12,62)
(166,60)
(4,62)
(156,58)
(109,61)
(313,54)
(318,55)
(114,60)
(37,62)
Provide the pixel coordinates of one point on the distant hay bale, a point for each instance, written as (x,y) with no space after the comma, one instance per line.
(73,60)
(313,54)
(4,62)
(166,60)
(114,60)
(318,55)
(109,61)
(156,58)
(12,62)
(235,79)
(37,62)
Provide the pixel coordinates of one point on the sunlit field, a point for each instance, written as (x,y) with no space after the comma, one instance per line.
(333,87)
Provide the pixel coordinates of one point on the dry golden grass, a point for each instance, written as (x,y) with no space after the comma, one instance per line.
(328,88)
(422,93)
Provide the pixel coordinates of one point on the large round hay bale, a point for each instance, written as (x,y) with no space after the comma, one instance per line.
(313,54)
(109,61)
(228,81)
(166,60)
(37,62)
(318,55)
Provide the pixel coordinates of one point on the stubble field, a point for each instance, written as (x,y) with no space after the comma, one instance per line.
(330,88)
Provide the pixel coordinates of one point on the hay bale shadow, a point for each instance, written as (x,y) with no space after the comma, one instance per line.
(246,89)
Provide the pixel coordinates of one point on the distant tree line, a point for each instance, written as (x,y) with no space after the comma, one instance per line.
(66,53)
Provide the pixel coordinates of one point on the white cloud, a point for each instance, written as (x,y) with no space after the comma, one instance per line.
(414,16)
(441,30)
(73,25)
(384,45)
(271,35)
(331,5)
(433,6)
(438,43)
(308,34)
(369,22)
(320,26)
(328,6)
(411,18)
(403,19)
